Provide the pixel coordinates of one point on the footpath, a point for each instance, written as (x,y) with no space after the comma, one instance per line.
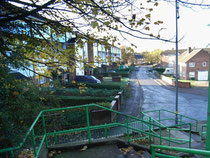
(132,105)
(203,91)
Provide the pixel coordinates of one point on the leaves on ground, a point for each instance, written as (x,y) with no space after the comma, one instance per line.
(126,150)
(84,148)
(26,153)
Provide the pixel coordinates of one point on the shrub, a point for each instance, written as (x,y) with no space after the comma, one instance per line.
(118,73)
(66,101)
(87,92)
(20,108)
(104,85)
(120,86)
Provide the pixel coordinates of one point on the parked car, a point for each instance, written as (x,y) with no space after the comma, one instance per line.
(169,71)
(112,71)
(87,79)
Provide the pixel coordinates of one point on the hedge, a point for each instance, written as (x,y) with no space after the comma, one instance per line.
(66,101)
(105,85)
(87,92)
(120,73)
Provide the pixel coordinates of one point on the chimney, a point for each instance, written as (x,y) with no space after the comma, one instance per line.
(189,50)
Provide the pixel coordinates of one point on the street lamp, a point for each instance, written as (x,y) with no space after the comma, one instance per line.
(177,17)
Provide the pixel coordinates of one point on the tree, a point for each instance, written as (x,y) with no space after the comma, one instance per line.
(39,41)
(152,57)
(127,55)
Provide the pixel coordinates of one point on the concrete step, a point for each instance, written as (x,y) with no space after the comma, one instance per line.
(110,151)
(115,148)
(196,141)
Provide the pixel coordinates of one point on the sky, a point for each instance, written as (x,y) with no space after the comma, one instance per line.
(192,25)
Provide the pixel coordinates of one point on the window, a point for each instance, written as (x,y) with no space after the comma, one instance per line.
(204,64)
(192,64)
(191,74)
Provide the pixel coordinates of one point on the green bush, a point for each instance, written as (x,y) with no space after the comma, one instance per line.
(104,85)
(66,101)
(120,86)
(123,70)
(20,107)
(118,73)
(87,92)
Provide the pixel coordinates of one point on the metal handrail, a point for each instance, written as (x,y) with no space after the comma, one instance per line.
(202,131)
(181,116)
(178,149)
(88,128)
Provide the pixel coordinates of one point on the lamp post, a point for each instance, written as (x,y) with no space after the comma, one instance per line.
(177,17)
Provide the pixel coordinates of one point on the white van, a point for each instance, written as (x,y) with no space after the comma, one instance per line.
(169,71)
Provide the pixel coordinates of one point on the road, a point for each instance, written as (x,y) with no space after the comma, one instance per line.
(156,96)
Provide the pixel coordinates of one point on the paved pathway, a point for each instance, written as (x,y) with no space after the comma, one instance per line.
(132,105)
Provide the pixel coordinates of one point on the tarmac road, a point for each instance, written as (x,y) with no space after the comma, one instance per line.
(156,96)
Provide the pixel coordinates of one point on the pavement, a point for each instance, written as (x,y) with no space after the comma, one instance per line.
(132,105)
(203,91)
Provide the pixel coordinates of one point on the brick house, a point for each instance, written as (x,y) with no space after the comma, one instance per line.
(138,58)
(194,64)
(168,57)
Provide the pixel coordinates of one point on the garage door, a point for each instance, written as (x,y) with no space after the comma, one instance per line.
(202,75)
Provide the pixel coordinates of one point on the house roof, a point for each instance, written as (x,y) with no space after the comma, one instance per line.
(19,76)
(186,56)
(172,51)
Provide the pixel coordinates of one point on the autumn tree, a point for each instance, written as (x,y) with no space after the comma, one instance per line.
(127,55)
(152,57)
(25,40)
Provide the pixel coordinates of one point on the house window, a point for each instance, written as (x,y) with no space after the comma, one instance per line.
(204,64)
(191,74)
(192,64)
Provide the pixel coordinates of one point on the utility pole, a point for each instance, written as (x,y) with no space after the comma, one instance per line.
(177,17)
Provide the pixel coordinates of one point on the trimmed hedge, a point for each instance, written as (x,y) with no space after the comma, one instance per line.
(66,101)
(120,73)
(105,85)
(87,92)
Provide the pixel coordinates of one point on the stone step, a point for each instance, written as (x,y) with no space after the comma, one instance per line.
(109,151)
(113,148)
(195,138)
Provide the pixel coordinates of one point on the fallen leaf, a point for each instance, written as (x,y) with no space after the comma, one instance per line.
(84,148)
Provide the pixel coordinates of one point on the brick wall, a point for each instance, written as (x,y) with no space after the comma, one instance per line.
(200,57)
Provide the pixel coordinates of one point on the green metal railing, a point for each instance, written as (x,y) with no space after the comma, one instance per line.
(203,132)
(86,133)
(177,129)
(181,118)
(177,149)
